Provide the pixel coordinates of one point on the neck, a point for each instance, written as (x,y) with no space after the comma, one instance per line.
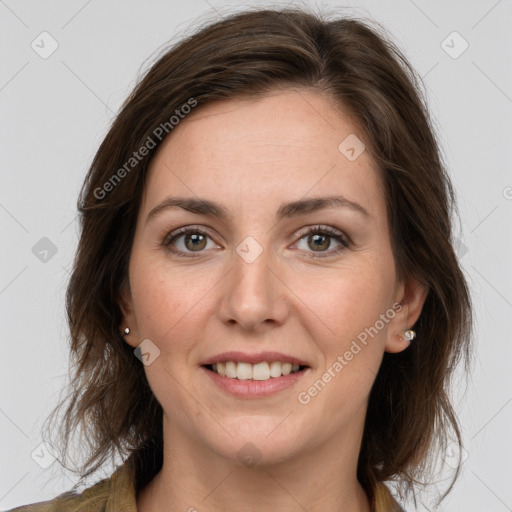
(195,479)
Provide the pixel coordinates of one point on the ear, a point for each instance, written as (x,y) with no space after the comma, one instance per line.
(411,294)
(126,305)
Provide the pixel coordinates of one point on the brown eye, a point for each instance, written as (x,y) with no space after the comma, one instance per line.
(187,240)
(319,242)
(195,241)
(319,239)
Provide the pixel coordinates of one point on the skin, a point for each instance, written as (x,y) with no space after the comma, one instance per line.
(251,155)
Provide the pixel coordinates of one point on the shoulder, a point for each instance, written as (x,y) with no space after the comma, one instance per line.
(94,496)
(104,496)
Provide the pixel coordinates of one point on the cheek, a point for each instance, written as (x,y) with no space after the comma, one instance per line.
(167,298)
(349,299)
(169,307)
(351,336)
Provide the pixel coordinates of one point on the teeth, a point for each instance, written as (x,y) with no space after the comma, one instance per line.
(275,369)
(259,371)
(231,370)
(244,371)
(286,368)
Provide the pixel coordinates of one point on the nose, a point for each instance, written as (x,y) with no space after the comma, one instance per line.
(253,294)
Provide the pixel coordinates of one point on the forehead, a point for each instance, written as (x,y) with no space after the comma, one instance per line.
(286,143)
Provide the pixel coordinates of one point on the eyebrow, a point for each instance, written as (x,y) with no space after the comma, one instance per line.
(285,210)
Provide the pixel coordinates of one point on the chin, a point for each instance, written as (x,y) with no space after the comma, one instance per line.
(261,440)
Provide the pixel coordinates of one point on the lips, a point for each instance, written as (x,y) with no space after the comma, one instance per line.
(253,385)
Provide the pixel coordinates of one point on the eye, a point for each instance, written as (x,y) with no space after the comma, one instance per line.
(318,239)
(194,240)
(190,239)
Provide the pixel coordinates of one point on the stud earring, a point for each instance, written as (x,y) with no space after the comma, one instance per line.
(126,331)
(409,334)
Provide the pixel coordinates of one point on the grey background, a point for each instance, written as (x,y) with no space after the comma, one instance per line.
(54,113)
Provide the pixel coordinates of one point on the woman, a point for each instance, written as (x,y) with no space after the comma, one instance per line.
(265,306)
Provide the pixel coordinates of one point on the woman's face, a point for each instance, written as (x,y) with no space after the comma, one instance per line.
(254,282)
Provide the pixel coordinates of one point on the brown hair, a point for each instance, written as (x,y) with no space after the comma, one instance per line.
(109,399)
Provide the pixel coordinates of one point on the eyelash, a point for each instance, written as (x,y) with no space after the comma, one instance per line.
(311,230)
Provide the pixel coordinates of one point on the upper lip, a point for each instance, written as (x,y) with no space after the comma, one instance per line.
(253,358)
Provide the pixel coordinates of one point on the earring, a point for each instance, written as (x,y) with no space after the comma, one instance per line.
(409,334)
(126,331)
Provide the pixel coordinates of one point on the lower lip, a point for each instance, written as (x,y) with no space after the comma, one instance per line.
(255,388)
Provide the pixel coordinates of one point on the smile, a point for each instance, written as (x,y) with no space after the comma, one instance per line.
(260,371)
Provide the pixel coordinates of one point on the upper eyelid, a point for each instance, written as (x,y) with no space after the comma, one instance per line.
(208,230)
(187,229)
(330,230)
